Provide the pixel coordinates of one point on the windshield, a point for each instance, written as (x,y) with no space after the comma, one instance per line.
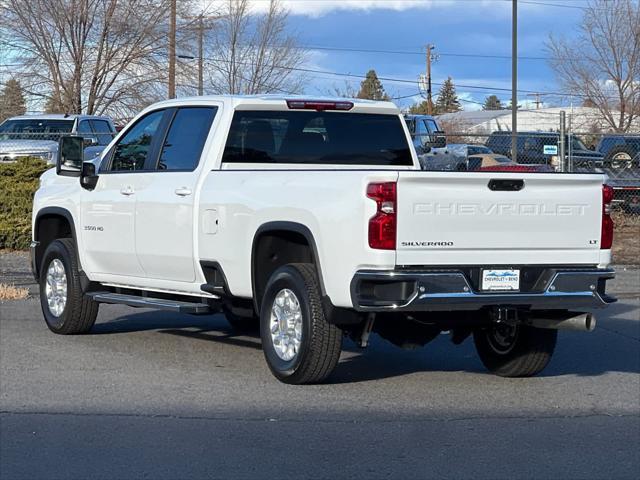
(576,144)
(34,129)
(335,138)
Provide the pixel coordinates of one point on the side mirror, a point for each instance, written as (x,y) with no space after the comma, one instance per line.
(88,177)
(440,139)
(70,156)
(90,141)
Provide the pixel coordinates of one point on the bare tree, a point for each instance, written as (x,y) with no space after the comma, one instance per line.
(91,56)
(253,53)
(345,90)
(603,63)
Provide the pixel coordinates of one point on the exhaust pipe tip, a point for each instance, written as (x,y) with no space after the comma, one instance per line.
(583,322)
(590,322)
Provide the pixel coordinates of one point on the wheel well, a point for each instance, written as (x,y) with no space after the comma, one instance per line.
(272,250)
(49,227)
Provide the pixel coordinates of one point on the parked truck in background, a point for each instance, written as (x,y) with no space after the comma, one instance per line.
(37,136)
(312,220)
(622,164)
(430,143)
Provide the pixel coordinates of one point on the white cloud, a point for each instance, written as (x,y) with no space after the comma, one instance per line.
(317,8)
(471,103)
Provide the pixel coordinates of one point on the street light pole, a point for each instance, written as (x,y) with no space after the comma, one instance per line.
(514,80)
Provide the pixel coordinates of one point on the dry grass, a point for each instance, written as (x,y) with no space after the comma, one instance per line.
(626,239)
(11,292)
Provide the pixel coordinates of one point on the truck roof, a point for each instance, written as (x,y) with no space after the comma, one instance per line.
(58,116)
(279,102)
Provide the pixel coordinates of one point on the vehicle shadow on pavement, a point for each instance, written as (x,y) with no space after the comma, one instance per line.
(612,347)
(213,328)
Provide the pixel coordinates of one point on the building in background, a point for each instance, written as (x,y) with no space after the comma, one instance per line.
(579,119)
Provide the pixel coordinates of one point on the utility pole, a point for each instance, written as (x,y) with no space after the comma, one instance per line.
(429,94)
(537,100)
(172,51)
(514,81)
(200,55)
(562,142)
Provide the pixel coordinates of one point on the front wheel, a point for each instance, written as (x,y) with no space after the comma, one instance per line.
(299,344)
(65,308)
(515,350)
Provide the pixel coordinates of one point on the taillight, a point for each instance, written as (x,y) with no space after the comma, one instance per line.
(606,233)
(382,226)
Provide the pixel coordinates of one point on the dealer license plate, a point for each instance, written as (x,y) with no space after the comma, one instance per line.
(500,279)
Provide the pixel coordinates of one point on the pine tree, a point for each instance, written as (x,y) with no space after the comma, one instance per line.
(447,101)
(12,100)
(421,108)
(371,87)
(492,102)
(510,106)
(53,105)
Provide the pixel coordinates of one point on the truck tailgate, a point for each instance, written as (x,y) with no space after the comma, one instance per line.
(498,218)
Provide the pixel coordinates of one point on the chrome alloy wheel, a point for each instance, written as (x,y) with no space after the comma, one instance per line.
(621,161)
(56,287)
(285,325)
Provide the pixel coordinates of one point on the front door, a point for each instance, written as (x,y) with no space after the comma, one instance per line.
(165,207)
(108,211)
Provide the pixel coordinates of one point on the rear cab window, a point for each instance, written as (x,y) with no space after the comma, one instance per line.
(317,137)
(185,139)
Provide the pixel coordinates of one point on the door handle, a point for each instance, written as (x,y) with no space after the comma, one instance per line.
(506,185)
(128,190)
(183,191)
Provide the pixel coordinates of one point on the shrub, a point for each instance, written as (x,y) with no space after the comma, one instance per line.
(18,183)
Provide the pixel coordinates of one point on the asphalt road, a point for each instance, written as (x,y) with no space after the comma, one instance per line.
(158,395)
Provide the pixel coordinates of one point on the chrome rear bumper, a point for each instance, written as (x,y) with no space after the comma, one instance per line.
(451,289)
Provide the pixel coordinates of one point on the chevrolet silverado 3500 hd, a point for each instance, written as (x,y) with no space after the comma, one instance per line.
(312,219)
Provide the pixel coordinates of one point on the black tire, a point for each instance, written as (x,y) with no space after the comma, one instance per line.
(321,341)
(80,312)
(241,322)
(526,355)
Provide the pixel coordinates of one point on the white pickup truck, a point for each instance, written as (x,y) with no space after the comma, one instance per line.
(312,219)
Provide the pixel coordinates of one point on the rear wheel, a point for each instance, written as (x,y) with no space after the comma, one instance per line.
(621,159)
(66,309)
(515,350)
(299,344)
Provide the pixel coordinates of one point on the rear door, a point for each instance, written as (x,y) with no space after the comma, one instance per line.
(482,218)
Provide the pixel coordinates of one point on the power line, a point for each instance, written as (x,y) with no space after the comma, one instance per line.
(410,52)
(396,80)
(545,4)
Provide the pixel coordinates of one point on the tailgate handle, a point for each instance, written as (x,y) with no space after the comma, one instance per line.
(506,185)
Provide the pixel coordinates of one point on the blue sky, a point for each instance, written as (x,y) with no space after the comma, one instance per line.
(453,26)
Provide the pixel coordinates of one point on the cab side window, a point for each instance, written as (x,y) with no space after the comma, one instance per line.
(423,133)
(84,128)
(431,125)
(102,131)
(183,145)
(132,150)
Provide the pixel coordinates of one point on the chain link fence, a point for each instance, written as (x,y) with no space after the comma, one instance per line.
(43,145)
(616,155)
